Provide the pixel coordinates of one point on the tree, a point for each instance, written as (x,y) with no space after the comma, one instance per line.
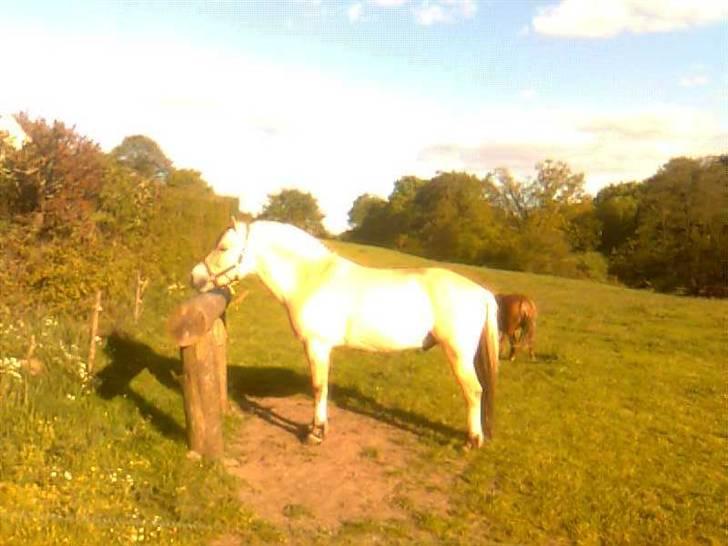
(549,194)
(510,196)
(362,208)
(583,227)
(556,185)
(188,179)
(550,220)
(616,208)
(143,155)
(452,218)
(56,176)
(295,207)
(680,238)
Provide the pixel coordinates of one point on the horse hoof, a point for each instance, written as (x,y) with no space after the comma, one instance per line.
(316,434)
(313,439)
(474,442)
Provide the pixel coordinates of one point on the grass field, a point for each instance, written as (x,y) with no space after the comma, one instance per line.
(616,434)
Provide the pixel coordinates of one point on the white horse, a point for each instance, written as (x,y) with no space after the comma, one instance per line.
(334,302)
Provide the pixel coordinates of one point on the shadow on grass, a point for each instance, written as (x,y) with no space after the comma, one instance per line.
(127,359)
(246,382)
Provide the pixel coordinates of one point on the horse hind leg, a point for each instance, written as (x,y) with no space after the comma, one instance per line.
(318,355)
(529,333)
(464,369)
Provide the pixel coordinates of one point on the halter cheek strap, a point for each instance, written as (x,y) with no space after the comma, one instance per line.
(215,276)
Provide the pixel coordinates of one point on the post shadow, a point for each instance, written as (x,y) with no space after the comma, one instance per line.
(127,359)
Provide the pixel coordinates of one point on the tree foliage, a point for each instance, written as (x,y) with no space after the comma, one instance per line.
(56,177)
(545,224)
(667,232)
(295,207)
(678,236)
(74,219)
(143,155)
(364,206)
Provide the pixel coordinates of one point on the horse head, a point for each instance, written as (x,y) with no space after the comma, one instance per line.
(227,262)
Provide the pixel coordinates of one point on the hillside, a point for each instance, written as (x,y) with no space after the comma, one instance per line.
(615,434)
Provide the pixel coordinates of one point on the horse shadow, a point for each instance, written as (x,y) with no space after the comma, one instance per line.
(129,357)
(246,383)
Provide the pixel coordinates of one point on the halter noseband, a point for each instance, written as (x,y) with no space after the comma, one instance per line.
(215,276)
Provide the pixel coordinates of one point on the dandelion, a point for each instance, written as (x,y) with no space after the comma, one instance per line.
(68,475)
(11,367)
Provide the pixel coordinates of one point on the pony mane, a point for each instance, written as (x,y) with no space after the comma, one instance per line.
(289,238)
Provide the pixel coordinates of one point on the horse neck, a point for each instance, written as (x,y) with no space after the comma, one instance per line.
(286,258)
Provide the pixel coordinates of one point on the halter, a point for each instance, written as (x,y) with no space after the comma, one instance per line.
(214,276)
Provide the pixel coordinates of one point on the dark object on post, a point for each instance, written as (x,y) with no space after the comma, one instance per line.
(198,327)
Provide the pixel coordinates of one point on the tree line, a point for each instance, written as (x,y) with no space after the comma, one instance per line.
(668,232)
(73,218)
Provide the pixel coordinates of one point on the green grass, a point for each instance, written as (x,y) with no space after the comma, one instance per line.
(615,435)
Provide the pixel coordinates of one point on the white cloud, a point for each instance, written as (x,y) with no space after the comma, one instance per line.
(425,12)
(589,19)
(355,11)
(528,94)
(255,127)
(431,12)
(389,3)
(607,147)
(697,80)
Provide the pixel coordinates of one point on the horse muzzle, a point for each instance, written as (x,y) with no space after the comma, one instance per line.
(200,278)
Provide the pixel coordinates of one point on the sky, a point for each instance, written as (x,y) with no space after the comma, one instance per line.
(341,98)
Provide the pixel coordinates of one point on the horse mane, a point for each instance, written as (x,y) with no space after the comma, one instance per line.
(289,239)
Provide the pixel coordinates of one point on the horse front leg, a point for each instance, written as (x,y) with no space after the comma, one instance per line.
(318,355)
(514,343)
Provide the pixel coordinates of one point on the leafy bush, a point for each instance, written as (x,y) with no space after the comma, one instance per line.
(76,220)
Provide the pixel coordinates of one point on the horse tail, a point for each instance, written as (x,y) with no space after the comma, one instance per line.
(486,365)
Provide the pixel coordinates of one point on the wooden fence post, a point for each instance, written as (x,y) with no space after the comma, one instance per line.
(94,333)
(141,286)
(198,327)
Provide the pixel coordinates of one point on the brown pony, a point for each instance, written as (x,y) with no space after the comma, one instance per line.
(516,312)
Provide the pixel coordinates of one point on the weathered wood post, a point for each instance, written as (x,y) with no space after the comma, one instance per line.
(198,327)
(94,332)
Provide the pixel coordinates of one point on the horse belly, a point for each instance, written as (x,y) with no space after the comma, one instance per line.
(390,320)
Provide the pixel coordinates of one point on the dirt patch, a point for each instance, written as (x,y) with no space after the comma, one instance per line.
(363,470)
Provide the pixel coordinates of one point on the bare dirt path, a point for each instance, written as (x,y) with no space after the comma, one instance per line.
(363,471)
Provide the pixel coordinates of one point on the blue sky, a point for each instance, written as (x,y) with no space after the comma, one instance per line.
(341,98)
